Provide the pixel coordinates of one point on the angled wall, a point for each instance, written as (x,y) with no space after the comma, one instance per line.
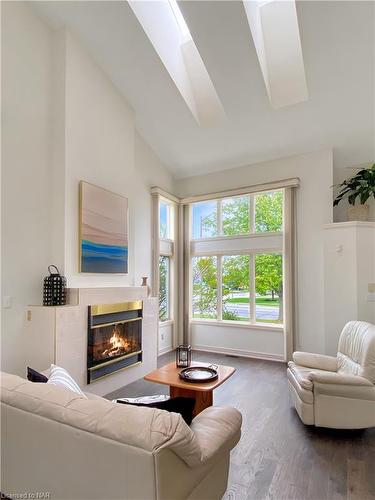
(314,209)
(63,121)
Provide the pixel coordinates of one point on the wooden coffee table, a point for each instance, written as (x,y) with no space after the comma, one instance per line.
(201,392)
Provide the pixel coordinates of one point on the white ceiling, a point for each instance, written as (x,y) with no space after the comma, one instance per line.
(338,49)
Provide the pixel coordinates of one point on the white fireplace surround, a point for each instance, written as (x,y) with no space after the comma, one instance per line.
(59,335)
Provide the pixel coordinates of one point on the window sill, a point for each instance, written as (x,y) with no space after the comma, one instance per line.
(238,236)
(239,324)
(167,322)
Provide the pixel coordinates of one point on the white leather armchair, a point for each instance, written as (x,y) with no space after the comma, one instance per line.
(337,392)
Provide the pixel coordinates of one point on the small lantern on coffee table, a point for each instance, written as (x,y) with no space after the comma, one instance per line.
(183,356)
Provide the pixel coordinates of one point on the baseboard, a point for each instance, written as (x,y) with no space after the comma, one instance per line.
(239,352)
(165,350)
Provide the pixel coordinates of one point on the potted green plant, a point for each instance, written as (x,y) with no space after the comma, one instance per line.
(362,187)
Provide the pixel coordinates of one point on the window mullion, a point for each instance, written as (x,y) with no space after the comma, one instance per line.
(168,232)
(219,279)
(170,287)
(252,289)
(219,213)
(252,213)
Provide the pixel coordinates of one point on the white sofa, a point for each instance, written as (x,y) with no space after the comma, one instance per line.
(337,392)
(58,442)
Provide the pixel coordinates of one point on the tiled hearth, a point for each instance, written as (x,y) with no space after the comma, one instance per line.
(59,335)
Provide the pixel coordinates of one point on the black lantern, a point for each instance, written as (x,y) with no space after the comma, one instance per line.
(54,289)
(183,356)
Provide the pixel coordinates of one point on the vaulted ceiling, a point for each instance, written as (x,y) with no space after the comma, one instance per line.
(338,51)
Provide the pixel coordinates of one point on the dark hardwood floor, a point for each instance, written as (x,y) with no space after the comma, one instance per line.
(279,458)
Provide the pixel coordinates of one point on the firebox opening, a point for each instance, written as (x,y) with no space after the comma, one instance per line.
(114,338)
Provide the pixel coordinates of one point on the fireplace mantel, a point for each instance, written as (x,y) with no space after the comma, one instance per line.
(58,334)
(106,295)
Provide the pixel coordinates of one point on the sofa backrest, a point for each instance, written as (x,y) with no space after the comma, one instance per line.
(356,351)
(149,429)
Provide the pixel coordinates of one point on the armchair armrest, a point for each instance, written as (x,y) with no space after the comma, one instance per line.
(318,361)
(339,379)
(216,427)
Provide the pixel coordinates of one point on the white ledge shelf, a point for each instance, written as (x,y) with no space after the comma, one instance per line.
(239,324)
(338,225)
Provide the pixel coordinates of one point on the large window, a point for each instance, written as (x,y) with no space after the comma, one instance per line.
(269,211)
(205,287)
(259,300)
(164,287)
(205,219)
(269,288)
(166,258)
(236,287)
(165,220)
(235,215)
(239,287)
(239,215)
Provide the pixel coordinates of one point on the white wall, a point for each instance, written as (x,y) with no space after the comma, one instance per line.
(63,121)
(150,172)
(99,148)
(349,250)
(365,270)
(26,176)
(314,209)
(165,343)
(238,340)
(102,148)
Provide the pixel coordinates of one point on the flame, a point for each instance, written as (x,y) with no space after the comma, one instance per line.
(117,341)
(118,344)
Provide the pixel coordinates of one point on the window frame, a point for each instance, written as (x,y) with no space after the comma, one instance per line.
(192,284)
(250,252)
(170,220)
(168,290)
(185,247)
(219,292)
(252,207)
(166,248)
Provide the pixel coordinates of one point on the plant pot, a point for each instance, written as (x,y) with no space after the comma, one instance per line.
(358,212)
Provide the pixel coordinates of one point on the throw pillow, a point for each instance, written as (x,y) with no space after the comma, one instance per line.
(183,406)
(35,376)
(59,376)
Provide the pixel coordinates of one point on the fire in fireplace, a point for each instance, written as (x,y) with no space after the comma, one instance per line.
(114,338)
(116,346)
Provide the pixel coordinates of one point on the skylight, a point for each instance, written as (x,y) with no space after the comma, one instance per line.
(165,26)
(275,31)
(182,26)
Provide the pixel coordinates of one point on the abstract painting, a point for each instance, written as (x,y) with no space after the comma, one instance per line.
(103,230)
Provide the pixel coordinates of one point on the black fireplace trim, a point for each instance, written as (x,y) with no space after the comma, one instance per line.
(100,371)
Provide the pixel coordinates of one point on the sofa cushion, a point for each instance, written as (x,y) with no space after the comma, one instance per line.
(59,376)
(147,428)
(35,376)
(183,406)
